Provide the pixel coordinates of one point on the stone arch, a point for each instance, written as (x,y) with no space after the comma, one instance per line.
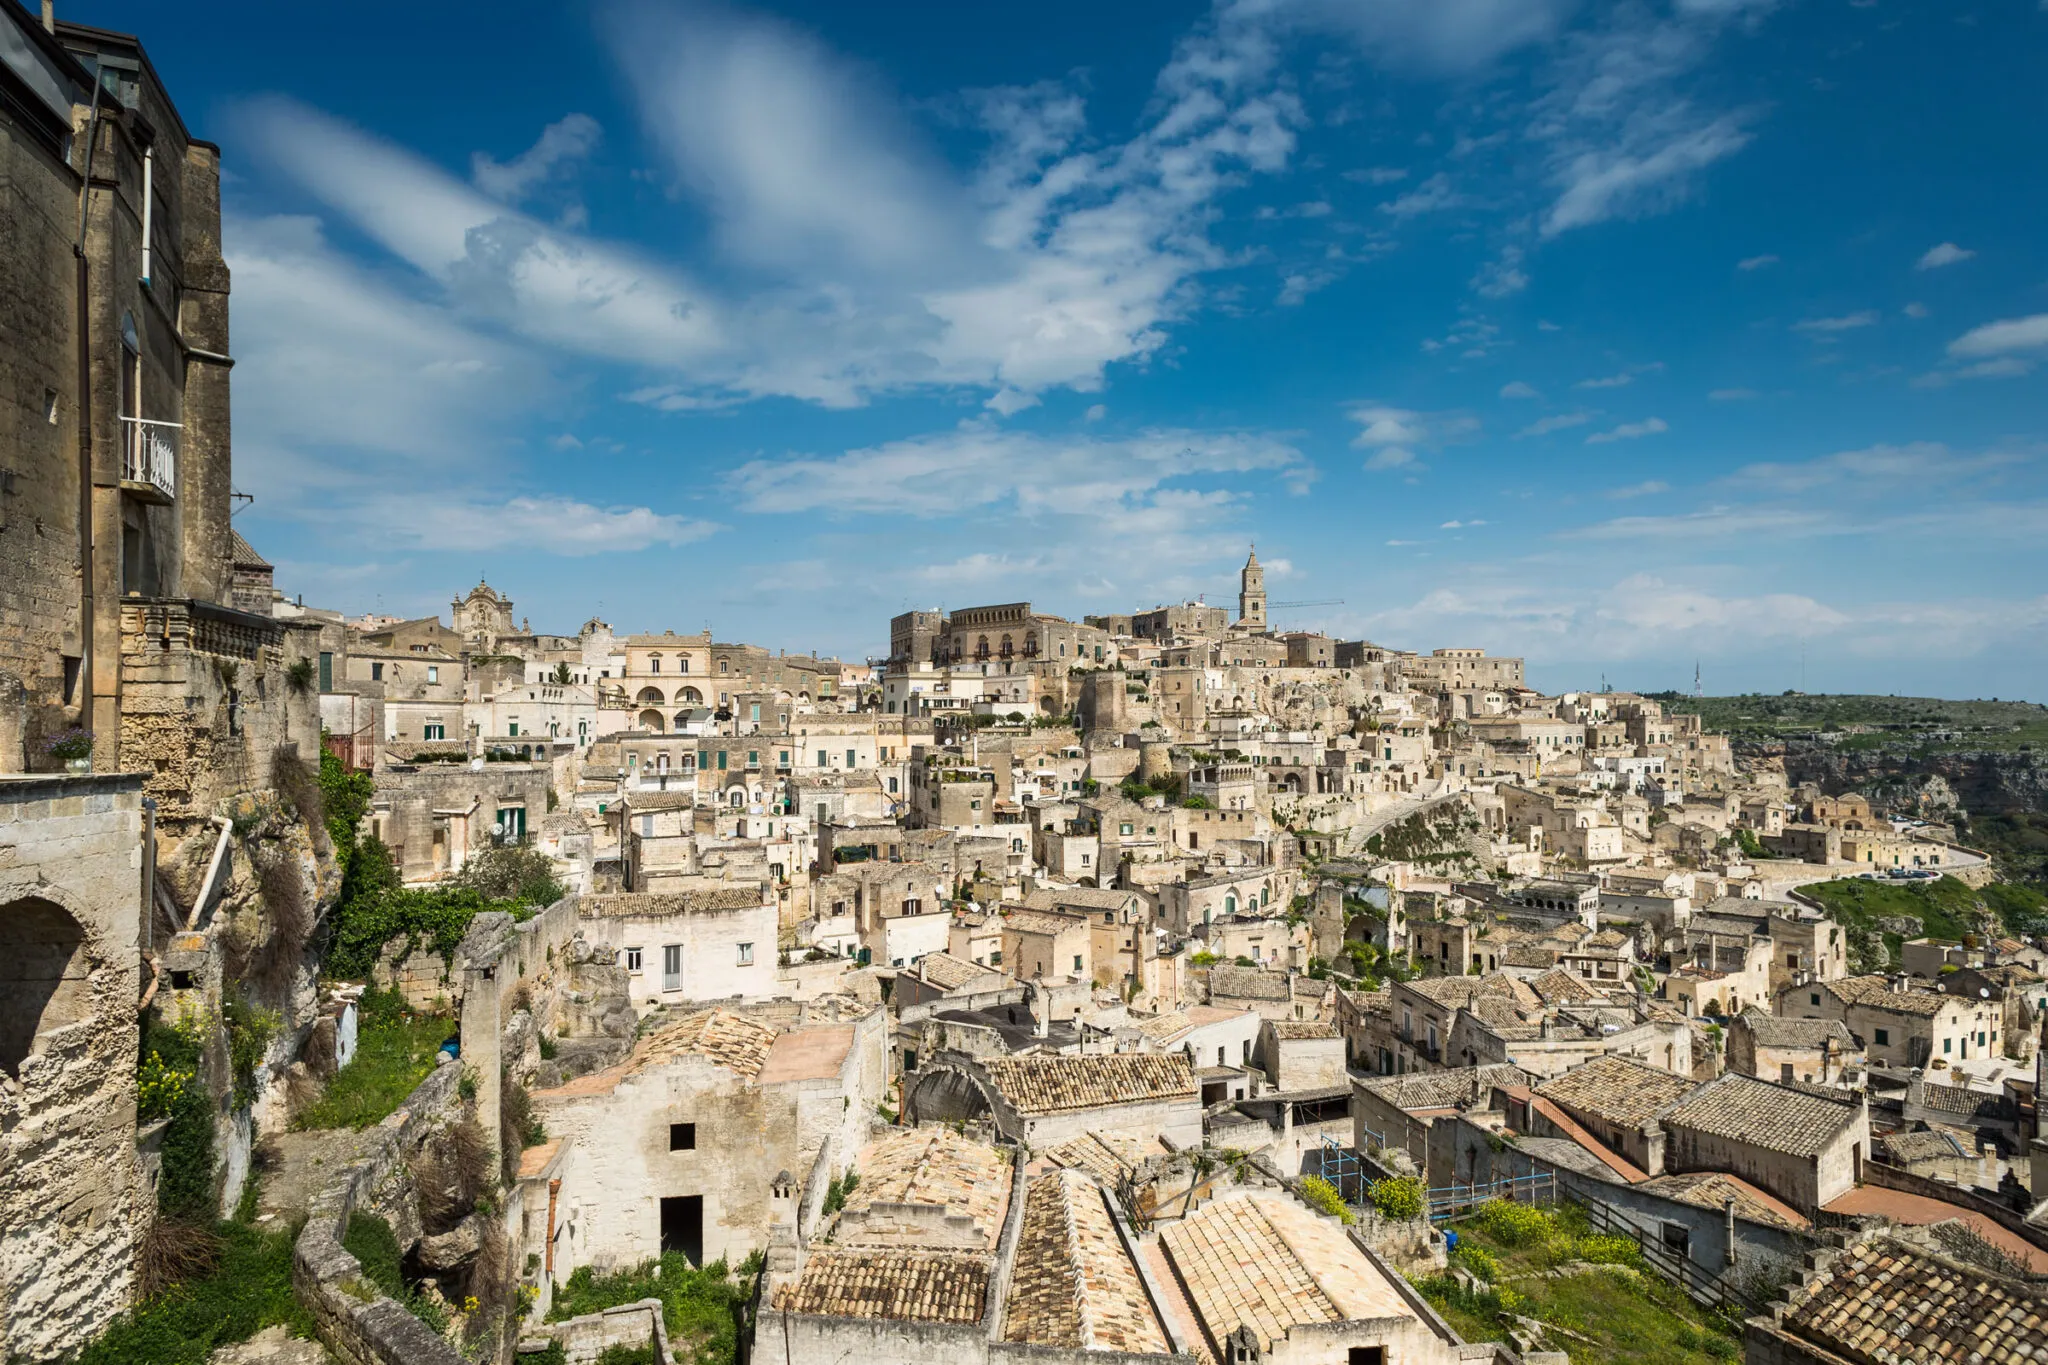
(651,720)
(682,719)
(45,977)
(692,696)
(946,1094)
(650,696)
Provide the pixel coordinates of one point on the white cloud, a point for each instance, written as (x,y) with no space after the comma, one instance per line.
(1732,395)
(1500,278)
(1438,35)
(1384,426)
(1431,196)
(1461,525)
(1819,327)
(1629,431)
(1876,469)
(1391,457)
(2000,338)
(550,525)
(1641,178)
(1096,412)
(1518,389)
(1648,488)
(1561,421)
(1392,434)
(561,143)
(1947,253)
(1377,175)
(1755,262)
(1915,310)
(977,467)
(1613,381)
(1296,286)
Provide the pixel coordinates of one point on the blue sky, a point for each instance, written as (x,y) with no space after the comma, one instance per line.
(1616,335)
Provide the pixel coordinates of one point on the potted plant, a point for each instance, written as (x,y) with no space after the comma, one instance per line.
(72,747)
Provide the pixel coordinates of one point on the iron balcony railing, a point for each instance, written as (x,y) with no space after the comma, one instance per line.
(148,455)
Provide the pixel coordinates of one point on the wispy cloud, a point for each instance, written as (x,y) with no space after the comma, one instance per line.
(2002,338)
(561,144)
(1431,196)
(1518,389)
(1947,253)
(1613,381)
(1647,488)
(1629,431)
(1755,262)
(1392,434)
(1732,395)
(1559,421)
(1848,322)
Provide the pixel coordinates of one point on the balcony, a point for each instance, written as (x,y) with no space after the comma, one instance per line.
(149,460)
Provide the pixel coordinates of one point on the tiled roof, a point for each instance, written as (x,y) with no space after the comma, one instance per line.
(1713,1190)
(1771,1031)
(1883,1302)
(1246,983)
(1906,1148)
(936,1167)
(1876,991)
(1444,1089)
(654,905)
(1558,987)
(950,973)
(741,1045)
(1073,1285)
(1110,1156)
(1044,922)
(1615,1090)
(1956,1099)
(1055,898)
(1061,1084)
(1773,1117)
(915,1286)
(1163,1028)
(1293,1030)
(1264,1261)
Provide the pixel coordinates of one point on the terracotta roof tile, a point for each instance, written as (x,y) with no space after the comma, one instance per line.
(1615,1090)
(1074,1286)
(1444,1089)
(1773,1117)
(915,1286)
(1883,1302)
(1059,1084)
(936,1167)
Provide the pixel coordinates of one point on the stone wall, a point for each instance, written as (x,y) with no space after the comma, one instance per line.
(586,1338)
(71,851)
(359,1323)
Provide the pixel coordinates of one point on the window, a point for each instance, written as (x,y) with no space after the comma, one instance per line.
(1077,962)
(1678,1239)
(746,955)
(754,713)
(433,732)
(892,787)
(654,664)
(721,760)
(1219,1058)
(1785,1072)
(682,1137)
(376,673)
(1814,998)
(1124,828)
(849,758)
(1247,1050)
(782,759)
(672,967)
(512,729)
(632,959)
(753,758)
(326,671)
(824,759)
(433,673)
(1884,1037)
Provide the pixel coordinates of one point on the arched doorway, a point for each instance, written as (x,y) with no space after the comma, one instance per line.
(44,977)
(651,720)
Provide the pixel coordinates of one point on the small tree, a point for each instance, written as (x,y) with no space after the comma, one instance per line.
(1398,1197)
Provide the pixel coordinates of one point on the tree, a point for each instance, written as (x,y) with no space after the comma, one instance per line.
(561,677)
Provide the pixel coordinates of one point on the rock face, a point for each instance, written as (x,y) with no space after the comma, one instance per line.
(446,1250)
(1982,782)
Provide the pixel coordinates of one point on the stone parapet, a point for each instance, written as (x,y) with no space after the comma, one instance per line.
(357,1320)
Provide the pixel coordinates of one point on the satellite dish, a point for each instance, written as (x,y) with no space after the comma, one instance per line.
(1984,992)
(498,827)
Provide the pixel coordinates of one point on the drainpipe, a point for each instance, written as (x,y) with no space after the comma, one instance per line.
(86,661)
(1728,1226)
(554,1189)
(148,203)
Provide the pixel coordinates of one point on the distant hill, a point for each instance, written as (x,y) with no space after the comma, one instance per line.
(1921,724)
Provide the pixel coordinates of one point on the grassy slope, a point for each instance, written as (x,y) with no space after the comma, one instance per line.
(1896,722)
(395,1050)
(1630,1320)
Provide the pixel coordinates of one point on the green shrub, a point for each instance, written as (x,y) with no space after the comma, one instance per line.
(395,1049)
(1479,1261)
(1607,1251)
(248,1289)
(1323,1195)
(701,1308)
(1398,1197)
(841,1187)
(185,1189)
(1515,1225)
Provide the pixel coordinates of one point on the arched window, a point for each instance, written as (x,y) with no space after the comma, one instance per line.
(692,696)
(44,977)
(1230,902)
(650,696)
(739,798)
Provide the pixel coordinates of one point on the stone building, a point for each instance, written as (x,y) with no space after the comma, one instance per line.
(1044,1099)
(690,946)
(678,1148)
(1804,1148)
(74,1200)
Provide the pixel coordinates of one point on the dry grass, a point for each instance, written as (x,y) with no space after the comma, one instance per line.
(451,1172)
(282,882)
(297,783)
(174,1253)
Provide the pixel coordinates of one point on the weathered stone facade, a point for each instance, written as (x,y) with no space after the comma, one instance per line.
(71,873)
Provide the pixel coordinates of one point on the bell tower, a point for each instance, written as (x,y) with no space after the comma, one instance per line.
(1251,593)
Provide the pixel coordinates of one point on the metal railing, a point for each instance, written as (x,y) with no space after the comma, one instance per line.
(1702,1285)
(147,455)
(1449,1200)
